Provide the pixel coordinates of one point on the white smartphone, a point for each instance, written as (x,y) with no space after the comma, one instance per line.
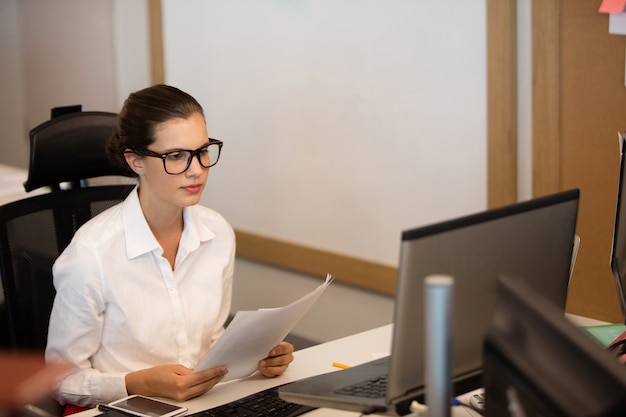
(146,407)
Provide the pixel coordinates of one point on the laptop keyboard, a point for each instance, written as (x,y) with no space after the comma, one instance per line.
(263,403)
(372,388)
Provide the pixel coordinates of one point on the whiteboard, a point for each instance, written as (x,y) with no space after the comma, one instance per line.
(344,121)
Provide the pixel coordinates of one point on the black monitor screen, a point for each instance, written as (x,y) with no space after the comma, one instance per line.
(532,239)
(537,363)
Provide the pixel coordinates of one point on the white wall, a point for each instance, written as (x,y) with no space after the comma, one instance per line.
(132,47)
(335,82)
(344,121)
(60,63)
(67,56)
(341,311)
(13,131)
(62,53)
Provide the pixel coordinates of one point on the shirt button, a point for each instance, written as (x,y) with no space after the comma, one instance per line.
(172,290)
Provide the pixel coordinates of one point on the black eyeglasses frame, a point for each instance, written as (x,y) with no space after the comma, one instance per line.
(192,153)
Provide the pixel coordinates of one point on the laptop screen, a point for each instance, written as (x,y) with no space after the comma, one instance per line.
(618,254)
(532,239)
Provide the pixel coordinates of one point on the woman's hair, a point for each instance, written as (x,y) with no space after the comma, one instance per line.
(143,112)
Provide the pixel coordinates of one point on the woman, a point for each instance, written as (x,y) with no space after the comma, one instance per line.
(144,289)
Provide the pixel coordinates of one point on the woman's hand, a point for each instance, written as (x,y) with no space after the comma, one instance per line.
(173,381)
(277,361)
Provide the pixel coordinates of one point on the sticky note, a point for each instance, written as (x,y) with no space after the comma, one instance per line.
(612,6)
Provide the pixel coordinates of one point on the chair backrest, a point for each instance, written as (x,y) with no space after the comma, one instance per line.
(33,233)
(65,152)
(71,148)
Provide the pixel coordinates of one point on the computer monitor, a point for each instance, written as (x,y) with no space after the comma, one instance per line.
(536,363)
(618,252)
(533,239)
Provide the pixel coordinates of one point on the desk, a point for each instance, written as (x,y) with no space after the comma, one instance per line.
(583,321)
(352,350)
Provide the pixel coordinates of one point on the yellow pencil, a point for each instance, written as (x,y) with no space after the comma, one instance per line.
(340,365)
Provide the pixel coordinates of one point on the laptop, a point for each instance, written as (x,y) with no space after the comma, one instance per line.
(532,239)
(618,252)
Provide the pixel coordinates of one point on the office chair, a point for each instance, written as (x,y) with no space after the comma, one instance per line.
(71,149)
(65,153)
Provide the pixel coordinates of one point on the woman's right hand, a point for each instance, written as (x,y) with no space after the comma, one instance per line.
(173,381)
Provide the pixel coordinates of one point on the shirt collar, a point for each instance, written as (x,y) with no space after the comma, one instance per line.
(195,231)
(139,237)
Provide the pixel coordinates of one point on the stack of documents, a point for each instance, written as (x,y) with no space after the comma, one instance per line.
(251,334)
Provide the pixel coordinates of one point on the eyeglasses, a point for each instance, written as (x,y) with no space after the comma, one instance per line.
(177,162)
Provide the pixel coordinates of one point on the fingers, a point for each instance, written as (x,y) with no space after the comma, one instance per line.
(278,360)
(213,375)
(283,348)
(201,382)
(173,381)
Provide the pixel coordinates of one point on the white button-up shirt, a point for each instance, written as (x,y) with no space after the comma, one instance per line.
(120,308)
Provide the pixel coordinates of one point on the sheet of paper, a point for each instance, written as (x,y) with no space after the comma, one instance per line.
(251,334)
(617,24)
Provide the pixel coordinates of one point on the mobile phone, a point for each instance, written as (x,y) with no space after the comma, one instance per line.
(146,407)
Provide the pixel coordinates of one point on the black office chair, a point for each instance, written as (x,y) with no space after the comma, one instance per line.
(66,152)
(71,149)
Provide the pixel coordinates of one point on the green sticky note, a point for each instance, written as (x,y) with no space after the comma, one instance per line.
(605,333)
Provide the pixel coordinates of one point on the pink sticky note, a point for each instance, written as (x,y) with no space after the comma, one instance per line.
(612,6)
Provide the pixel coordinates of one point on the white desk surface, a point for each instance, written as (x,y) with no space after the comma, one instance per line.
(583,321)
(351,350)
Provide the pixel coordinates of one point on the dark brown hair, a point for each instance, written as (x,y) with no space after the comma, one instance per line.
(142,113)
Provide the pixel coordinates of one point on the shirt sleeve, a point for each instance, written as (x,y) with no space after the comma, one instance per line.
(75,330)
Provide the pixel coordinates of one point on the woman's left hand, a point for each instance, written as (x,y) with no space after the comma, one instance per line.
(277,361)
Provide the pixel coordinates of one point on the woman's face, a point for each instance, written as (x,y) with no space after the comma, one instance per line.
(160,189)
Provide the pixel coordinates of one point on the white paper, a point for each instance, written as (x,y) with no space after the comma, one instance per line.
(251,334)
(617,23)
